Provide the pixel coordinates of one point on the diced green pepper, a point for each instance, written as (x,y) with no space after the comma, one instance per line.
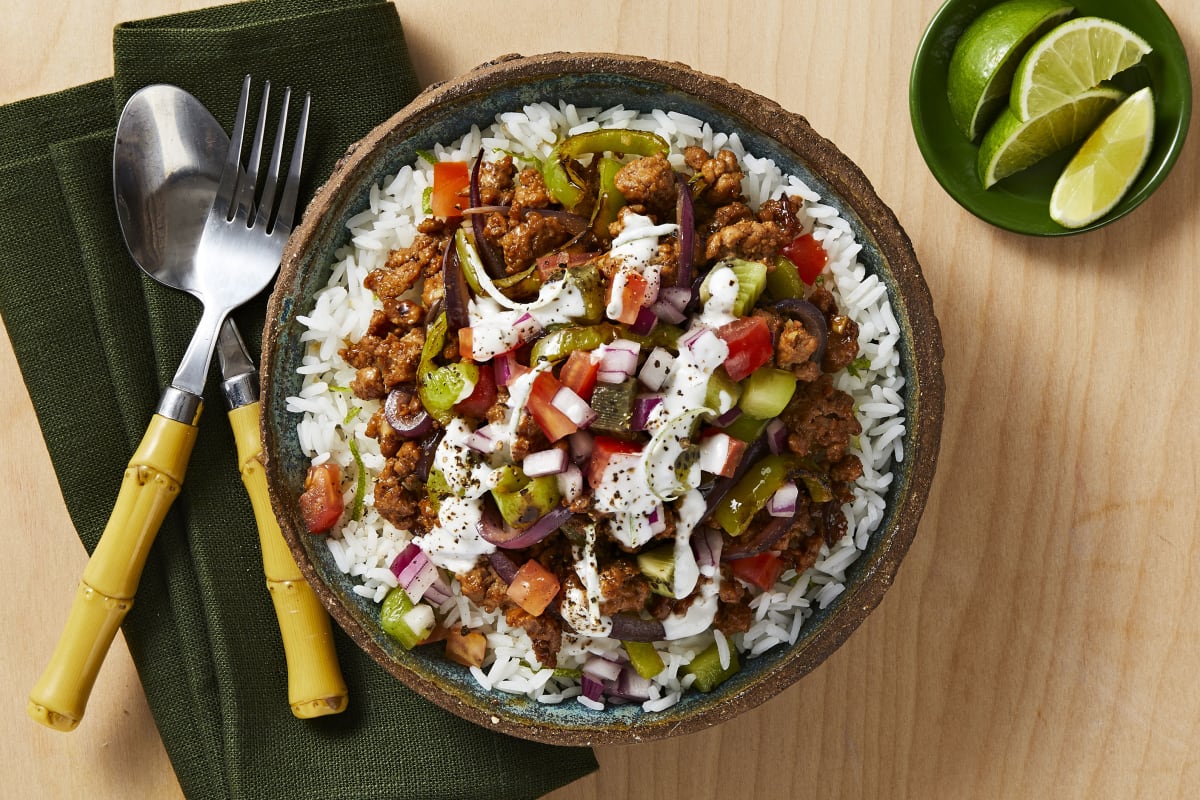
(408,624)
(613,404)
(437,489)
(784,282)
(645,658)
(707,668)
(721,387)
(766,392)
(567,188)
(526,505)
(520,286)
(441,388)
(561,342)
(510,478)
(611,199)
(746,428)
(590,284)
(751,493)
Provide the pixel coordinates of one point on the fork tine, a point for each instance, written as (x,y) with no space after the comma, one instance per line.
(267,203)
(287,202)
(229,173)
(246,187)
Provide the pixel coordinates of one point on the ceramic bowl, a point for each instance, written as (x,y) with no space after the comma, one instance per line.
(1021,202)
(442,114)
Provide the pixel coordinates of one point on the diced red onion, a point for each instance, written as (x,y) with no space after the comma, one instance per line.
(408,426)
(783,502)
(592,688)
(658,519)
(668,313)
(601,668)
(701,546)
(505,567)
(606,376)
(645,322)
(545,462)
(486,440)
(438,592)
(573,407)
(677,297)
(508,369)
(620,356)
(414,571)
(685,213)
(631,686)
(581,444)
(632,628)
(776,433)
(728,418)
(654,371)
(495,532)
(570,483)
(689,338)
(643,406)
(404,558)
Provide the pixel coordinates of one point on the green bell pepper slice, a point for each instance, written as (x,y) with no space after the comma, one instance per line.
(561,342)
(440,387)
(611,200)
(751,493)
(567,188)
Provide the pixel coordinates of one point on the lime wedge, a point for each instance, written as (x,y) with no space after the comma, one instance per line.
(987,54)
(1074,57)
(1106,165)
(1012,145)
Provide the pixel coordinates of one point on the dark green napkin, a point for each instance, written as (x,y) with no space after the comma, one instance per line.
(96,342)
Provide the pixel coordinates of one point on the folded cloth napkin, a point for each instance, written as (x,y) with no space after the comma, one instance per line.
(97,341)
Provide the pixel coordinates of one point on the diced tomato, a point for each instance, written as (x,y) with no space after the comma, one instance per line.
(466,342)
(579,373)
(750,345)
(450,183)
(633,294)
(321,505)
(762,570)
(554,423)
(720,453)
(482,397)
(533,587)
(603,449)
(467,650)
(808,255)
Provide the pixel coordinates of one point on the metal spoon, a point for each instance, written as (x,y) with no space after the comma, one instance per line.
(166,167)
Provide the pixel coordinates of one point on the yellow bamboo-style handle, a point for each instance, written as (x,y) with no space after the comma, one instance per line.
(315,684)
(105,592)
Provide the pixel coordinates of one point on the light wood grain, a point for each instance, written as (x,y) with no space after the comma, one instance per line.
(1043,636)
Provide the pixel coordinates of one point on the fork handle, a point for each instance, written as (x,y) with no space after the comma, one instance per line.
(105,593)
(315,684)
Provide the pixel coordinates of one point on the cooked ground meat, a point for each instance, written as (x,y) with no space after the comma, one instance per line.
(820,420)
(649,183)
(728,215)
(395,357)
(535,235)
(405,266)
(842,346)
(623,587)
(794,348)
(496,182)
(368,383)
(397,492)
(748,239)
(483,587)
(805,554)
(530,192)
(545,631)
(783,212)
(403,313)
(529,439)
(722,175)
(733,618)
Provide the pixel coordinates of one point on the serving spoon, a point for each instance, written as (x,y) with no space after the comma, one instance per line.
(167,164)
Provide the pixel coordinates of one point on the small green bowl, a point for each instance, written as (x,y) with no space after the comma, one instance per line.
(1021,202)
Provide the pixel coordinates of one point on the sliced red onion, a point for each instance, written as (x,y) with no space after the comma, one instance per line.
(643,407)
(404,558)
(592,688)
(760,541)
(783,502)
(668,313)
(493,263)
(408,426)
(486,440)
(685,213)
(457,292)
(631,628)
(573,407)
(728,418)
(505,567)
(545,462)
(570,483)
(581,444)
(429,446)
(495,532)
(645,322)
(601,668)
(777,434)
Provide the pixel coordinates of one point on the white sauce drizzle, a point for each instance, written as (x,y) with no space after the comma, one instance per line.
(687,571)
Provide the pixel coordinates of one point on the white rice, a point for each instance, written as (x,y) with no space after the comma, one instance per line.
(331,416)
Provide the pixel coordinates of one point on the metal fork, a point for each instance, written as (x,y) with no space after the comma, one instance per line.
(237,257)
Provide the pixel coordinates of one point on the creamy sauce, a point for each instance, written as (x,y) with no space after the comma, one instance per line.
(456,543)
(687,571)
(699,615)
(723,290)
(464,470)
(588,571)
(574,611)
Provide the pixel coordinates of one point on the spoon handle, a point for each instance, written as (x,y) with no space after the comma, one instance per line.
(105,593)
(315,684)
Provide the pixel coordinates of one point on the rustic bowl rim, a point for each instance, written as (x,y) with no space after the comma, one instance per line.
(924,419)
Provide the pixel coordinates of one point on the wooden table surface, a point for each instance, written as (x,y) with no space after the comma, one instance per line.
(1043,636)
